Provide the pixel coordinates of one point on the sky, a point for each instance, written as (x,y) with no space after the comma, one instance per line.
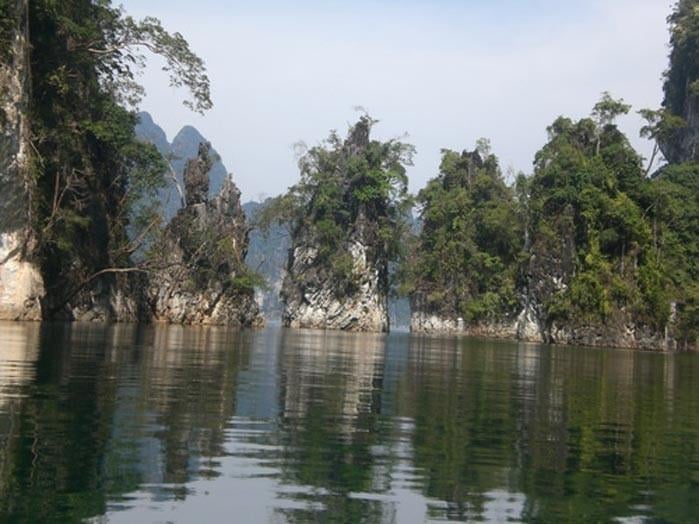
(438,73)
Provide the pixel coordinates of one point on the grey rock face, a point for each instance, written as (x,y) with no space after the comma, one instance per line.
(148,131)
(523,327)
(204,253)
(196,176)
(21,284)
(684,147)
(527,327)
(311,300)
(354,299)
(114,298)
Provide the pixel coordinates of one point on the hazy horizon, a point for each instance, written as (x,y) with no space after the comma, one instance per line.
(441,72)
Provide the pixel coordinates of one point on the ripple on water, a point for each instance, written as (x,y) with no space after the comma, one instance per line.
(154,424)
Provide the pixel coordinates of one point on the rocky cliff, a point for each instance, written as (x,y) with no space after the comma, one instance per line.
(21,284)
(313,298)
(204,279)
(347,215)
(681,87)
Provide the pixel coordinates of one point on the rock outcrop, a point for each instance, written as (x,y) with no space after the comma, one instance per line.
(183,147)
(549,272)
(682,85)
(621,332)
(312,300)
(564,290)
(204,279)
(21,284)
(524,327)
(337,270)
(683,144)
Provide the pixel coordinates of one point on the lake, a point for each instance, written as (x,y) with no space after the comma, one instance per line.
(171,424)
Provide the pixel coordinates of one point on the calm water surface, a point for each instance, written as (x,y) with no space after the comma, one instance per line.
(169,424)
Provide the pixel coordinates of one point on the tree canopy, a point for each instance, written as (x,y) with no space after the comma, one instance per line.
(94,179)
(466,257)
(352,188)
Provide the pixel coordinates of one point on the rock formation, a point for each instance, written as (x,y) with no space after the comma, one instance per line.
(312,300)
(344,234)
(184,146)
(560,288)
(685,146)
(21,284)
(682,85)
(204,279)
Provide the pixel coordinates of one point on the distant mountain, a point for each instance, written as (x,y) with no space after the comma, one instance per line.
(149,131)
(183,147)
(267,254)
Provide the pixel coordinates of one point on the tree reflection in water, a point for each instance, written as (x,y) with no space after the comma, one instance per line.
(170,423)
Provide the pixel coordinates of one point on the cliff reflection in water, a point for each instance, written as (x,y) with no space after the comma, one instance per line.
(149,424)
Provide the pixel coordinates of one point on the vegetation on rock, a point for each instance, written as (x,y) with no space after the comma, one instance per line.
(466,260)
(589,239)
(352,195)
(681,105)
(95,180)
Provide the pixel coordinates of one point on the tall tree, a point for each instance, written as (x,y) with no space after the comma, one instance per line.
(95,179)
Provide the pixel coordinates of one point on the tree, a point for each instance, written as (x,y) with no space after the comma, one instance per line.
(95,179)
(467,252)
(662,127)
(605,112)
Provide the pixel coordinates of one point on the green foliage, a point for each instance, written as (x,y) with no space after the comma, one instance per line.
(7,28)
(672,201)
(661,125)
(467,256)
(608,109)
(572,195)
(96,183)
(688,314)
(247,281)
(349,189)
(630,239)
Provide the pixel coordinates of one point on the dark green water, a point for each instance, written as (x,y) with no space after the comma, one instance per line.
(126,424)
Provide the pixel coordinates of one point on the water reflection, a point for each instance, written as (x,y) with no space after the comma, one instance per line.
(330,407)
(143,424)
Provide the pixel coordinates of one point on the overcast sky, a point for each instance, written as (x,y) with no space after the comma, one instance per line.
(445,72)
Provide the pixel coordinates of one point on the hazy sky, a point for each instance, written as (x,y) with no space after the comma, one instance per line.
(445,72)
